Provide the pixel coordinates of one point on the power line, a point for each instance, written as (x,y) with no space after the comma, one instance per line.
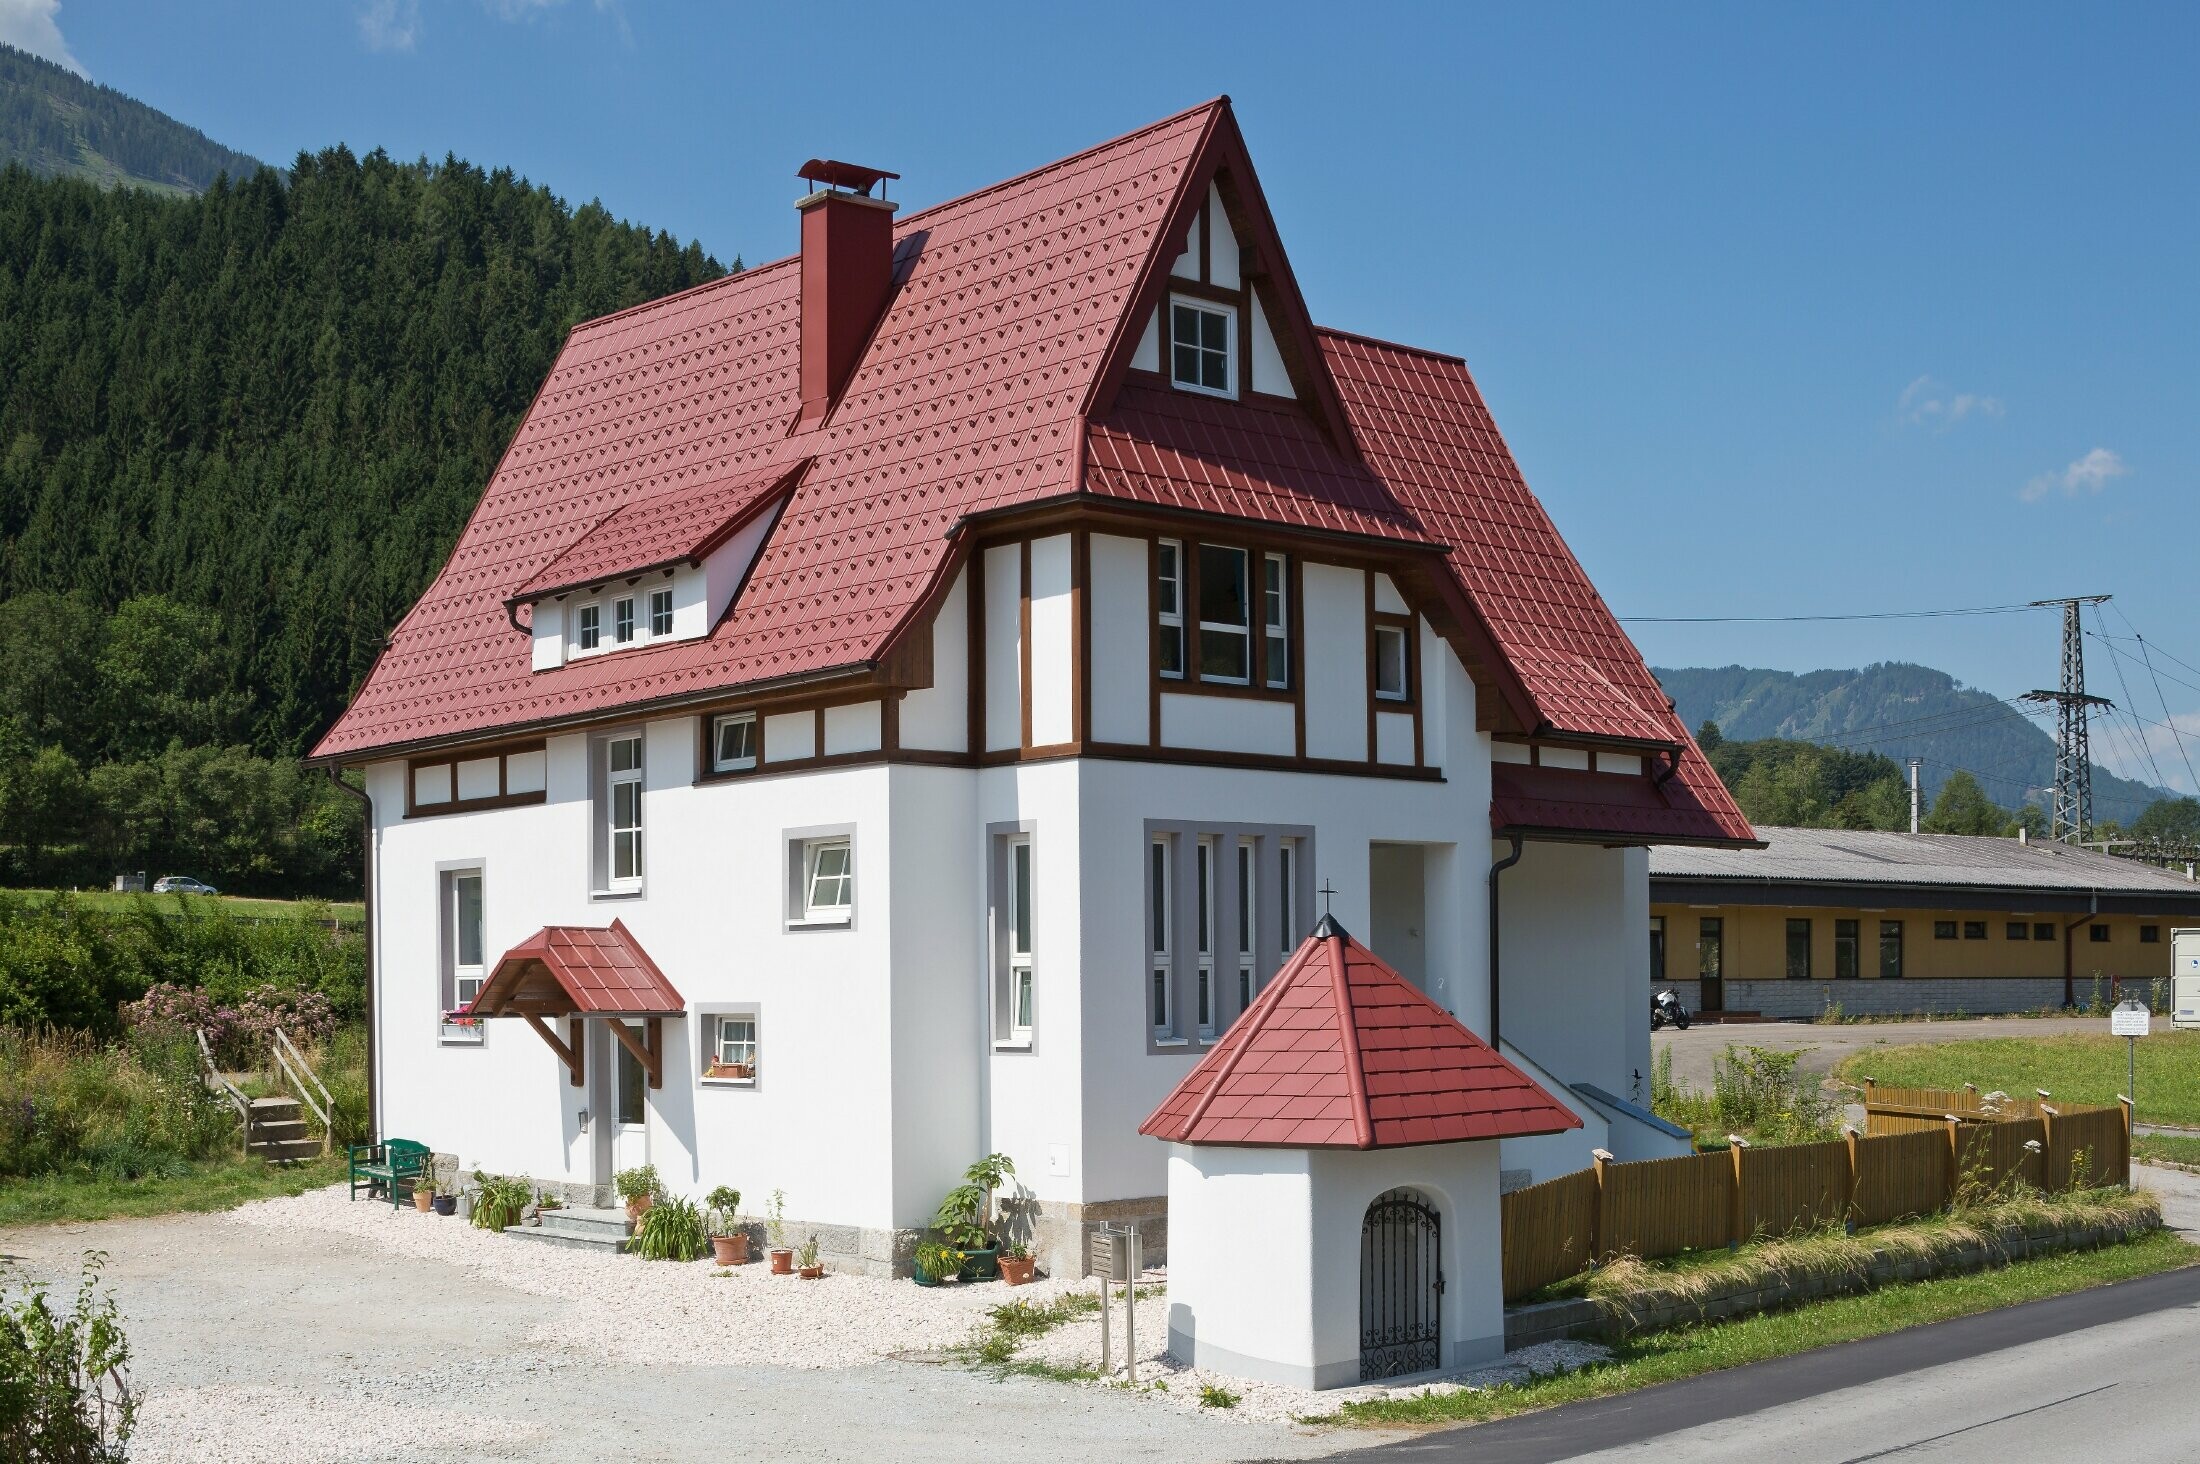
(2167,715)
(2116,659)
(1791,619)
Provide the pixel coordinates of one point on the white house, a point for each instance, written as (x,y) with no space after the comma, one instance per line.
(901,702)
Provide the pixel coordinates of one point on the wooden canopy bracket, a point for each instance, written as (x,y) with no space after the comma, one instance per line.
(648,1049)
(573,1055)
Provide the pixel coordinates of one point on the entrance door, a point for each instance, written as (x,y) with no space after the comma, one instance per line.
(1711,963)
(622,1098)
(1401,1287)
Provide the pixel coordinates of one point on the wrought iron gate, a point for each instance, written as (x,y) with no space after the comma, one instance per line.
(1401,1287)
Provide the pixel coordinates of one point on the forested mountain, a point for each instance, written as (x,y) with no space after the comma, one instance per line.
(249,425)
(1901,711)
(56,123)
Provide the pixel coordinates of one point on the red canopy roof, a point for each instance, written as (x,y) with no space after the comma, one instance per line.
(1341,1052)
(584,970)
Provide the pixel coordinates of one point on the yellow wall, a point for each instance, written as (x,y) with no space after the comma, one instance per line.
(1756,943)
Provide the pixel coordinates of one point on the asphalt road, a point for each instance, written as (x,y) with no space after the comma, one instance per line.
(1822,1047)
(2103,1374)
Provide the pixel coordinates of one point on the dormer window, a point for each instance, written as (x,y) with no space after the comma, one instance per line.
(588,632)
(622,620)
(660,614)
(1203,346)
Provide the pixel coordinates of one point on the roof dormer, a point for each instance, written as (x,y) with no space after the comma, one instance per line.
(1210,333)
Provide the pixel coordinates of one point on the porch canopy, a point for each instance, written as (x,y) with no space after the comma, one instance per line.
(577,972)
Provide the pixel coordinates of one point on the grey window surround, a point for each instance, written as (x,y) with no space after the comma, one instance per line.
(1268,954)
(599,814)
(706,1042)
(999,995)
(446,943)
(795,895)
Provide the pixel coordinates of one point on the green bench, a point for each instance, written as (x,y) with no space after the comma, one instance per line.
(380,1169)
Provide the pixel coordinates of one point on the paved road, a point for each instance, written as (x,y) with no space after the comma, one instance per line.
(2104,1374)
(1694,1049)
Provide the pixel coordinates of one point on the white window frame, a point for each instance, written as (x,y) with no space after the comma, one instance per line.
(1170,621)
(719,762)
(614,779)
(1246,870)
(660,613)
(1275,599)
(455,974)
(625,624)
(1018,897)
(1229,352)
(1404,689)
(1287,891)
(716,1047)
(1161,966)
(463,971)
(588,629)
(1243,630)
(1203,884)
(813,912)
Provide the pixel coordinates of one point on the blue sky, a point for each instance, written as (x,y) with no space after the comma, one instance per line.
(1784,310)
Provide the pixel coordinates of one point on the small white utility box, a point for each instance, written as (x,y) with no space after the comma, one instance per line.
(2184,968)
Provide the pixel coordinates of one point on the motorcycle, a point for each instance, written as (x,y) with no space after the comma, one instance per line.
(1666,1008)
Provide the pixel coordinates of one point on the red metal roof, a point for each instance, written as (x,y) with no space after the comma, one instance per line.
(648,533)
(1341,1052)
(597,971)
(1013,308)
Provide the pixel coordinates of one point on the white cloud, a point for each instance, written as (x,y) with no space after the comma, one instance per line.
(33,26)
(1927,403)
(390,25)
(2089,474)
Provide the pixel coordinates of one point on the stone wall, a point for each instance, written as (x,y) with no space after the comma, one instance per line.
(1649,1310)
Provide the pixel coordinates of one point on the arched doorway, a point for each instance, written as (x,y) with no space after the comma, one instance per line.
(1401,1286)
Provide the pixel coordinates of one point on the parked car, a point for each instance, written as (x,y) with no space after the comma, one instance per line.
(182,884)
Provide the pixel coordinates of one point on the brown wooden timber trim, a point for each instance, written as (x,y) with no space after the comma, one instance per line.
(1205,290)
(1407,623)
(1080,621)
(1023,641)
(648,1049)
(1295,622)
(1153,633)
(502,752)
(974,650)
(1367,585)
(570,1055)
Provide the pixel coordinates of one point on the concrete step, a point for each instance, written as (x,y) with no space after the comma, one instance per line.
(582,1223)
(601,1245)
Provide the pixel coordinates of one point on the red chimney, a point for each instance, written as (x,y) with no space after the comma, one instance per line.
(847,274)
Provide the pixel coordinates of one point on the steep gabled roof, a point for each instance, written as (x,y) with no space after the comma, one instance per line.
(1341,1052)
(592,970)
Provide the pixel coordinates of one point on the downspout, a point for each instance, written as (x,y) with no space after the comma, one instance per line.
(2070,985)
(1495,870)
(366,931)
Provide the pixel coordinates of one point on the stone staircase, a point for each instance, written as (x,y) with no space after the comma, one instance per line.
(579,1227)
(276,1130)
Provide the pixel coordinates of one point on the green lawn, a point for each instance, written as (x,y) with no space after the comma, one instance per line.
(349,912)
(2170,1147)
(1663,1357)
(219,1184)
(2076,1069)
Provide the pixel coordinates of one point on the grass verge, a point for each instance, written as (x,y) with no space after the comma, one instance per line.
(2166,1149)
(214,1184)
(2076,1068)
(1686,1352)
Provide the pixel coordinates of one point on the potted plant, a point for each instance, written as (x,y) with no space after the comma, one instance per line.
(936,1263)
(741,1070)
(446,1200)
(729,1244)
(775,1231)
(812,1266)
(1016,1263)
(965,1217)
(423,1193)
(639,1187)
(498,1202)
(671,1230)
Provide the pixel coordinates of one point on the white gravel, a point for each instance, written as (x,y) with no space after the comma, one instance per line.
(644,1313)
(661,1312)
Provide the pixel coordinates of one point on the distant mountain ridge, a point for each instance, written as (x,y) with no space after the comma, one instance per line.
(1903,711)
(57,124)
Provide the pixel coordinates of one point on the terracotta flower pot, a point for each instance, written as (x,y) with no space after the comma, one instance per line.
(423,1200)
(1016,1271)
(811,1273)
(637,1207)
(782,1261)
(730,1250)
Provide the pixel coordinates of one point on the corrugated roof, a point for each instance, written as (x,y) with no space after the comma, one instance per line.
(586,969)
(1846,856)
(1341,1052)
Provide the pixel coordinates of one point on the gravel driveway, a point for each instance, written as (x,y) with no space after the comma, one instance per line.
(310,1328)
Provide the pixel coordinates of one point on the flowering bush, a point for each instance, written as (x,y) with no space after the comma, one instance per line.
(238,1031)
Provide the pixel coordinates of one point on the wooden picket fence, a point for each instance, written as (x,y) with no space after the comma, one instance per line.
(1924,1149)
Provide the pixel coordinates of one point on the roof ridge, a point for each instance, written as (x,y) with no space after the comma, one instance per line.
(1348,1038)
(927,211)
(1371,340)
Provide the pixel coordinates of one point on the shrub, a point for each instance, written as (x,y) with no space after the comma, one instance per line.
(127,1110)
(672,1230)
(633,1184)
(64,1395)
(498,1201)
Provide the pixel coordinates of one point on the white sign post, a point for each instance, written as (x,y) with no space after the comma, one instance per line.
(2129,1021)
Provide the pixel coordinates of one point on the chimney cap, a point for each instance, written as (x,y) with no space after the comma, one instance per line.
(852,176)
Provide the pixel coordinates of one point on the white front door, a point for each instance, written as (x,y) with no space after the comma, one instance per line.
(629,1105)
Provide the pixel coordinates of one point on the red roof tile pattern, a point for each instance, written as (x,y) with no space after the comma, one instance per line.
(1425,429)
(1341,1052)
(650,533)
(968,398)
(603,971)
